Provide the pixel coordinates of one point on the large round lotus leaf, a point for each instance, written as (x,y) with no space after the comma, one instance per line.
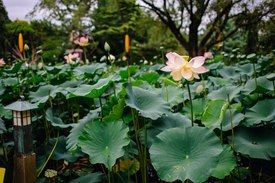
(229,72)
(93,91)
(214,113)
(171,120)
(185,153)
(91,69)
(104,142)
(227,163)
(55,120)
(255,142)
(262,111)
(263,85)
(89,178)
(236,119)
(150,77)
(246,69)
(43,93)
(15,68)
(199,106)
(219,81)
(78,129)
(123,72)
(149,104)
(11,81)
(172,94)
(225,92)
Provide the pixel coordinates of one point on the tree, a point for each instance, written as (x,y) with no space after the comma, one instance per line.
(196,24)
(4,18)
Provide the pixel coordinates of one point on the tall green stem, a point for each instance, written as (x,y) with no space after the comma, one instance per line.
(191,105)
(129,73)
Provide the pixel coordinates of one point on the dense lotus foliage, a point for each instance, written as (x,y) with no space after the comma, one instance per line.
(97,122)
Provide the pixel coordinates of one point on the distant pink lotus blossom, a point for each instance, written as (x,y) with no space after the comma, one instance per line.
(83,41)
(208,55)
(72,58)
(181,68)
(2,62)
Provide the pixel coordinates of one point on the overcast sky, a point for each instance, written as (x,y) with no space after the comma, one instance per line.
(17,9)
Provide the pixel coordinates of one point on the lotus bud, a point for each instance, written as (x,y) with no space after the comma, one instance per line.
(20,42)
(127,43)
(26,47)
(107,47)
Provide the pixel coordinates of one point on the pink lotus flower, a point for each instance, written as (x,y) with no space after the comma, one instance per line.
(181,68)
(2,62)
(208,55)
(72,58)
(83,41)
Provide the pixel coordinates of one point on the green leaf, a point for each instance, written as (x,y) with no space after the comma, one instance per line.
(263,85)
(89,70)
(199,106)
(6,113)
(214,113)
(150,77)
(174,95)
(255,142)
(168,82)
(178,154)
(61,153)
(43,93)
(2,126)
(15,68)
(227,163)
(225,92)
(11,81)
(56,121)
(262,111)
(236,119)
(123,72)
(93,91)
(116,112)
(90,178)
(78,129)
(219,81)
(150,105)
(104,142)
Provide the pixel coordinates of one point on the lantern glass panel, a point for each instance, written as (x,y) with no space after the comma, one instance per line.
(16,118)
(26,118)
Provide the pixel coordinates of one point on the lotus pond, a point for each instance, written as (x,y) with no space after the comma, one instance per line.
(101,122)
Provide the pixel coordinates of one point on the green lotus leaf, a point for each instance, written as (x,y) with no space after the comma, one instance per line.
(214,113)
(116,113)
(93,91)
(6,113)
(172,94)
(168,82)
(227,163)
(263,85)
(149,104)
(2,88)
(229,72)
(219,81)
(55,120)
(90,70)
(123,72)
(199,106)
(11,81)
(77,130)
(53,69)
(43,93)
(246,69)
(150,77)
(255,142)
(225,92)
(2,126)
(171,120)
(89,178)
(104,142)
(236,119)
(15,68)
(61,153)
(185,153)
(262,111)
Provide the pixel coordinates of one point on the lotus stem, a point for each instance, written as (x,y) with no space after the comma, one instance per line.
(191,105)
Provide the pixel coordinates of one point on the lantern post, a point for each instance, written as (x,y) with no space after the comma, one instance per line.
(24,158)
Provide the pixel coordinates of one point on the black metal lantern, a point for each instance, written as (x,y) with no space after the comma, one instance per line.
(24,157)
(22,125)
